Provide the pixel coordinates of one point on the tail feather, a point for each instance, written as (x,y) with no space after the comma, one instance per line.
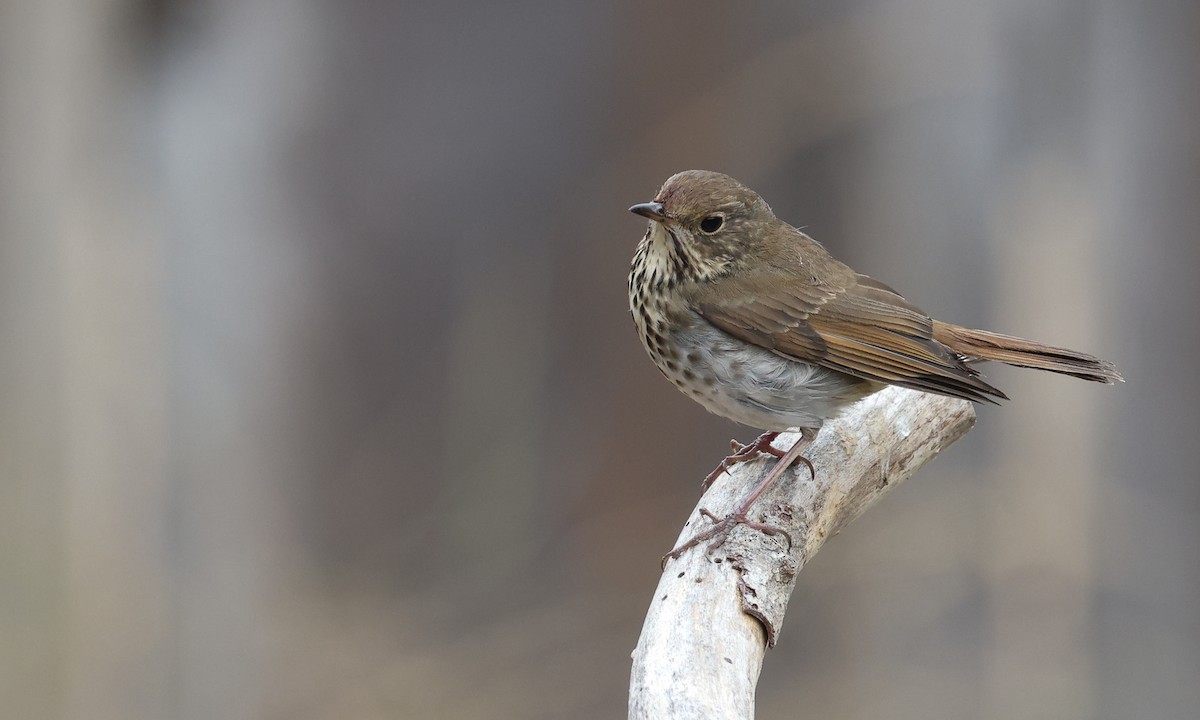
(983,345)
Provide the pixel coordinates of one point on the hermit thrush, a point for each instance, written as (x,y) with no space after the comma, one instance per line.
(760,324)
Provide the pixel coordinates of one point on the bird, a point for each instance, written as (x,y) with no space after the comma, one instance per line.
(760,324)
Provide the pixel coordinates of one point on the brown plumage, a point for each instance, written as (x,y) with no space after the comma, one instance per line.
(759,323)
(716,257)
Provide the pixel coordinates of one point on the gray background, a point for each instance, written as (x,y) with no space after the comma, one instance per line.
(319,397)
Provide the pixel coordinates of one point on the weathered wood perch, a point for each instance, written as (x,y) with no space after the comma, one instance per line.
(715,613)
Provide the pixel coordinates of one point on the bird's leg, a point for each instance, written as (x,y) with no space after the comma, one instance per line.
(786,461)
(722,526)
(743,453)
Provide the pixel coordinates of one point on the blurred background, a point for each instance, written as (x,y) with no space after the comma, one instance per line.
(319,397)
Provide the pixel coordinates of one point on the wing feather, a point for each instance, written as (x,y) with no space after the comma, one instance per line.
(855,325)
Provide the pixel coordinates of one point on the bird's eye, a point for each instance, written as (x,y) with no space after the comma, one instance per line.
(711,224)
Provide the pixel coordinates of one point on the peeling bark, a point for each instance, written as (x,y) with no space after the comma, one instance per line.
(718,608)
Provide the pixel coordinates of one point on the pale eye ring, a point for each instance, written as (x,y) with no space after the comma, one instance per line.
(711,224)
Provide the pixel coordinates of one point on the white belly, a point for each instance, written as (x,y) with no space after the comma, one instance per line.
(752,385)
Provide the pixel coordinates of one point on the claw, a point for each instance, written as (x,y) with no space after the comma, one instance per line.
(720,530)
(741,454)
(722,526)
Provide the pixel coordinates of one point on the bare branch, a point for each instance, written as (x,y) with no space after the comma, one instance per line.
(715,612)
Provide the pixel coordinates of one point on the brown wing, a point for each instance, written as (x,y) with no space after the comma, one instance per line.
(855,325)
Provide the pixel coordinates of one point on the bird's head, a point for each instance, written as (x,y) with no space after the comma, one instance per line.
(703,223)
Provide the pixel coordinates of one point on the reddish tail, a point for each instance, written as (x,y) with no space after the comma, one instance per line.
(983,345)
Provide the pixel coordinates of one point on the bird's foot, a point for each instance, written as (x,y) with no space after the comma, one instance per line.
(743,453)
(722,526)
(720,530)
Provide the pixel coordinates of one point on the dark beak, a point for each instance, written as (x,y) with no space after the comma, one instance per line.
(652,210)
